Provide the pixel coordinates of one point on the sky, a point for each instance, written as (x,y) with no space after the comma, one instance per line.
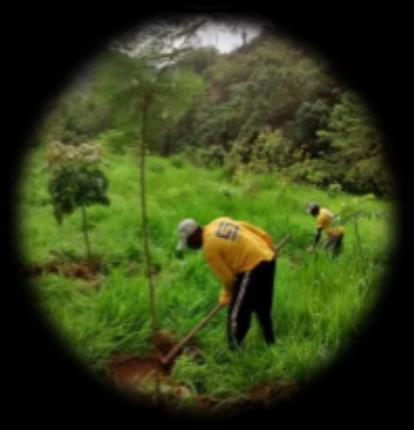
(222,38)
(213,33)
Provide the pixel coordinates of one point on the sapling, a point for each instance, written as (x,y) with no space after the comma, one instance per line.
(76,182)
(351,213)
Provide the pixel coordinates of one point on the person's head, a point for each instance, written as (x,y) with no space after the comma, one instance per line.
(313,209)
(190,235)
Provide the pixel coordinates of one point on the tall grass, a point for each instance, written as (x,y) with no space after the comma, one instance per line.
(318,305)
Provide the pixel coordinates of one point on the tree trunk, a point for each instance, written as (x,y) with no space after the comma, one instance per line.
(85,232)
(145,235)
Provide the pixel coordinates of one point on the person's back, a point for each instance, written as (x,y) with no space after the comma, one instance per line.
(240,245)
(324,221)
(242,256)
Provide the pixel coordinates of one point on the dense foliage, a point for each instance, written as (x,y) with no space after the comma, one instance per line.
(269,105)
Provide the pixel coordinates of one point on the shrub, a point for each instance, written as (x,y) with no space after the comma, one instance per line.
(334,189)
(177,161)
(117,140)
(157,168)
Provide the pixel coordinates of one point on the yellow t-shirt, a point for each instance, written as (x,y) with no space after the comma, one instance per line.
(231,247)
(324,221)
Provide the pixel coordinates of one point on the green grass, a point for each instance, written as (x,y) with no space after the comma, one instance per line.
(319,302)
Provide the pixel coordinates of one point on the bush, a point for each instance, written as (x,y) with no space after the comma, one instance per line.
(368,176)
(117,140)
(235,160)
(309,118)
(211,156)
(177,161)
(334,189)
(157,168)
(310,172)
(270,149)
(214,156)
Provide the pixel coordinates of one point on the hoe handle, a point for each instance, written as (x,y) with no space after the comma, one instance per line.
(282,242)
(199,326)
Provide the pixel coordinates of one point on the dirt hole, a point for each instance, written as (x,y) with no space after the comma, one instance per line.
(141,374)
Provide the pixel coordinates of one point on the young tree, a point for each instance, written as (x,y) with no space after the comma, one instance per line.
(76,182)
(350,213)
(153,94)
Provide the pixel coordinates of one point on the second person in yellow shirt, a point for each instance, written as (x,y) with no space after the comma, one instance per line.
(324,219)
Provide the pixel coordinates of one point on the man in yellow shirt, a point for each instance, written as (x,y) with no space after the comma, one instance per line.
(324,218)
(242,256)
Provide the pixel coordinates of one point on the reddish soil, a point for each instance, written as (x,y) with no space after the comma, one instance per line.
(207,402)
(132,372)
(162,342)
(126,368)
(271,391)
(89,270)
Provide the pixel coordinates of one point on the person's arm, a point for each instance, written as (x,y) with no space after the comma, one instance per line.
(317,237)
(259,232)
(221,270)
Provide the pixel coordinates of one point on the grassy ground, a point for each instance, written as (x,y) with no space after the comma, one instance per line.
(319,303)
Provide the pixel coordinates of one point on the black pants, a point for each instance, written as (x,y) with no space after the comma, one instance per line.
(334,243)
(253,292)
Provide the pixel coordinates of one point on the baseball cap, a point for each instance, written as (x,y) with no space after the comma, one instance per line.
(185,229)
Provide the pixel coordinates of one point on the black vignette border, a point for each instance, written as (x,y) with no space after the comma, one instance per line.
(368,47)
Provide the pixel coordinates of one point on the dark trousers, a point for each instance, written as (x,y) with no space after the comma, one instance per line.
(253,292)
(334,243)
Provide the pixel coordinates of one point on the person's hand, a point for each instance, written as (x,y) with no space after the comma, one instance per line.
(224,298)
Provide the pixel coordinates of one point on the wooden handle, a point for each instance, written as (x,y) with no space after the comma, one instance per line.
(199,326)
(282,242)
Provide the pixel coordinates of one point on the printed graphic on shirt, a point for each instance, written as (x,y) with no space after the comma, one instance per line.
(227,231)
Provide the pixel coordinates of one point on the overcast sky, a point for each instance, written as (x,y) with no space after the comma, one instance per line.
(222,38)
